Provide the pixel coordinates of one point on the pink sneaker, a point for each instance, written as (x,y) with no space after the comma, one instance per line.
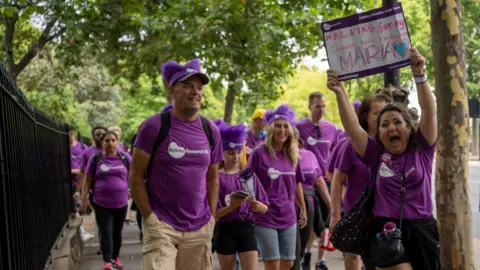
(118,264)
(107,266)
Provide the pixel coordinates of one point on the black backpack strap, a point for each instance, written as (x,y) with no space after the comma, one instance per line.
(165,120)
(95,161)
(208,131)
(124,159)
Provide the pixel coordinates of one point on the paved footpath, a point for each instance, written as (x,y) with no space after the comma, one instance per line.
(130,253)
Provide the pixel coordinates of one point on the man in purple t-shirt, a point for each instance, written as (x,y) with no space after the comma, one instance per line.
(179,196)
(97,133)
(320,137)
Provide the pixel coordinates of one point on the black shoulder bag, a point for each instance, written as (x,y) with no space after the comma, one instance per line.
(388,248)
(351,234)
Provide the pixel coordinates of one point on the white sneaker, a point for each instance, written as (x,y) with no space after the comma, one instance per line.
(87,236)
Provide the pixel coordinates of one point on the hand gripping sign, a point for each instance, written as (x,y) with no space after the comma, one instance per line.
(368,43)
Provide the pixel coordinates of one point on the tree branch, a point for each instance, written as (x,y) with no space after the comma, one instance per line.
(36,46)
(10,23)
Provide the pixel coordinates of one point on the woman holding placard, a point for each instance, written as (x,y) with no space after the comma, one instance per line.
(400,160)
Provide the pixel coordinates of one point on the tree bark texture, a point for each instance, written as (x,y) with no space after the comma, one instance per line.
(230,99)
(452,189)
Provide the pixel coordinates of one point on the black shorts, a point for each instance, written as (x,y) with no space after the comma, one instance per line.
(235,236)
(420,239)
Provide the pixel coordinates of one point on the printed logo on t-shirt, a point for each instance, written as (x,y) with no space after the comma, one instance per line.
(385,171)
(386,157)
(308,172)
(274,174)
(313,141)
(407,173)
(106,168)
(177,151)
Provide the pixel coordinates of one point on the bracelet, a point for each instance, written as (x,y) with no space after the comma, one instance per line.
(421,79)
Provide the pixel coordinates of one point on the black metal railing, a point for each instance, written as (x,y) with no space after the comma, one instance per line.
(35,180)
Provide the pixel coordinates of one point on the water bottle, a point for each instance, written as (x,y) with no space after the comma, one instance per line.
(389,228)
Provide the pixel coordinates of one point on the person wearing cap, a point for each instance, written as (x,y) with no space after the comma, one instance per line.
(179,196)
(320,137)
(276,164)
(256,134)
(241,198)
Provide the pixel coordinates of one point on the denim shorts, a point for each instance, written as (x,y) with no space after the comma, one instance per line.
(277,244)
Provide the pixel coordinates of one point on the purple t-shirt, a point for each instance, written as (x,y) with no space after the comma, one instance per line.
(278,178)
(88,153)
(321,147)
(332,160)
(358,175)
(310,169)
(111,184)
(416,165)
(75,160)
(177,182)
(252,141)
(340,134)
(230,183)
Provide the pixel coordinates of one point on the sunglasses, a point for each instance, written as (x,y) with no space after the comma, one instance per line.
(317,132)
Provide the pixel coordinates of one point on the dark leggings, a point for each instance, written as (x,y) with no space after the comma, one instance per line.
(303,235)
(110,225)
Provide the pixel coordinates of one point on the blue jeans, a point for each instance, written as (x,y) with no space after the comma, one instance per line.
(277,244)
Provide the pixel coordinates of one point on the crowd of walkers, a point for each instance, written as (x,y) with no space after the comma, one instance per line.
(264,193)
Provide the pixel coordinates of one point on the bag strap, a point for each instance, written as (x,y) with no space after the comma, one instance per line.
(95,161)
(208,131)
(124,159)
(402,195)
(165,120)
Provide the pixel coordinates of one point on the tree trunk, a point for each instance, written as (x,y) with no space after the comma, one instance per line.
(452,190)
(230,99)
(475,137)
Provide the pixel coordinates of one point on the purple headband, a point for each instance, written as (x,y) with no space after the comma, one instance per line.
(283,111)
(233,137)
(173,72)
(167,108)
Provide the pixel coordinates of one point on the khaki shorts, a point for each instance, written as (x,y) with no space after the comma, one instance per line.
(166,248)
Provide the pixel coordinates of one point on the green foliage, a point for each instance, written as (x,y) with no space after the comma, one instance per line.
(299,87)
(82,95)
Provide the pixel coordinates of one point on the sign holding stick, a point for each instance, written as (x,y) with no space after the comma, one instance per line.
(368,43)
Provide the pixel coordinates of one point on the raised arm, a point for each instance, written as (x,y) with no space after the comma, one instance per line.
(349,119)
(428,119)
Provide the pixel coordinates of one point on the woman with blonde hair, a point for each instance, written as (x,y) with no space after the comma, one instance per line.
(276,164)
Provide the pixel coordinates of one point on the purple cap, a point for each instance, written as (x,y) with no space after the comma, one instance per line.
(173,72)
(233,137)
(219,123)
(284,111)
(167,108)
(356,105)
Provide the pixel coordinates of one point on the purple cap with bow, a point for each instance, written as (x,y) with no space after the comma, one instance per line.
(173,72)
(233,137)
(283,111)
